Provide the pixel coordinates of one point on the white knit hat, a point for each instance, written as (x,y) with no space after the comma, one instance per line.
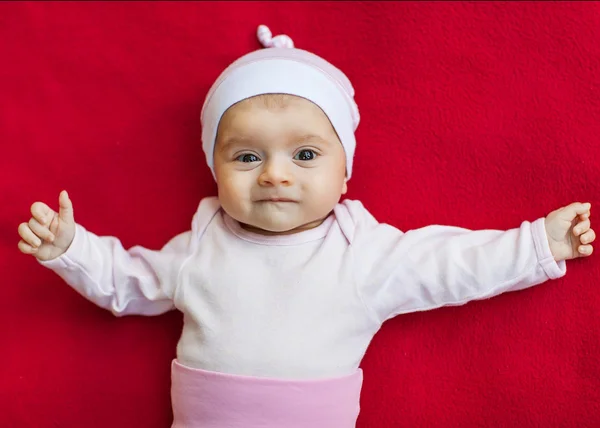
(282,69)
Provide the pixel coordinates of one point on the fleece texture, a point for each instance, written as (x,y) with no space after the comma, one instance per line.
(478,115)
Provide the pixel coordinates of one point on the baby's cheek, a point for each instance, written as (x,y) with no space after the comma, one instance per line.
(228,196)
(320,202)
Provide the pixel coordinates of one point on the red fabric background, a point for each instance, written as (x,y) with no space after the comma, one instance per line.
(474,114)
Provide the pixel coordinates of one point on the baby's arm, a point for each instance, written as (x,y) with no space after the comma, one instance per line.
(441,265)
(126,282)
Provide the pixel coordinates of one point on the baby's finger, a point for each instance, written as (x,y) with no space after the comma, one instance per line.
(28,236)
(26,248)
(42,213)
(575,209)
(588,237)
(41,231)
(581,227)
(585,250)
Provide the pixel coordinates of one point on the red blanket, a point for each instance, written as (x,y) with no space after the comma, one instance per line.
(478,115)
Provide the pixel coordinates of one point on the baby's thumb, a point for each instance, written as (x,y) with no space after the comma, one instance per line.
(65,211)
(576,208)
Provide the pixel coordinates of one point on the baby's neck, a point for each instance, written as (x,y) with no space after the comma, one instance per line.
(298,229)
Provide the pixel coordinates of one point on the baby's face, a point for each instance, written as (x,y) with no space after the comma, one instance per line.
(280,167)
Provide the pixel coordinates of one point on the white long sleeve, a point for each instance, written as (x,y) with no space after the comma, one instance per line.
(137,281)
(443,265)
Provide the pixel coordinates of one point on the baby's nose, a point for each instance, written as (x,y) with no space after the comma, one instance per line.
(275,173)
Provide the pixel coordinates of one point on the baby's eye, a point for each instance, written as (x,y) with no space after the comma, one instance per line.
(247,158)
(306,155)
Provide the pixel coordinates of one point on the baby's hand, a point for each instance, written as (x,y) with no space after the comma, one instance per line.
(569,233)
(48,233)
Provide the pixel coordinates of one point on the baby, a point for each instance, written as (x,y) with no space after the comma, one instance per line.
(282,285)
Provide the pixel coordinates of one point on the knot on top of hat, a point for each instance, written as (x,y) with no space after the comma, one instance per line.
(265,37)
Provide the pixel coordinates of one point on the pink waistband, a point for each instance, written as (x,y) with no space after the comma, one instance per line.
(203,399)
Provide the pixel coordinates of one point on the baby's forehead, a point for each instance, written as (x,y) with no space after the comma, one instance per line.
(296,120)
(249,139)
(272,102)
(243,112)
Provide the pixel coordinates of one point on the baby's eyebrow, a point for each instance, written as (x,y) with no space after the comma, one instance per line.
(311,138)
(235,141)
(247,141)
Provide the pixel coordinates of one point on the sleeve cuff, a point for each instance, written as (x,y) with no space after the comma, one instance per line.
(67,260)
(552,268)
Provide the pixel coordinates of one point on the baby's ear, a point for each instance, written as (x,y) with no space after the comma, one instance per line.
(345,186)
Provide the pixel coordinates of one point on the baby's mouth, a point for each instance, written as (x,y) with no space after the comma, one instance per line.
(276,199)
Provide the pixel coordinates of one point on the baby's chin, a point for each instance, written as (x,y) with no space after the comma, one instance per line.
(276,222)
(271,227)
(275,226)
